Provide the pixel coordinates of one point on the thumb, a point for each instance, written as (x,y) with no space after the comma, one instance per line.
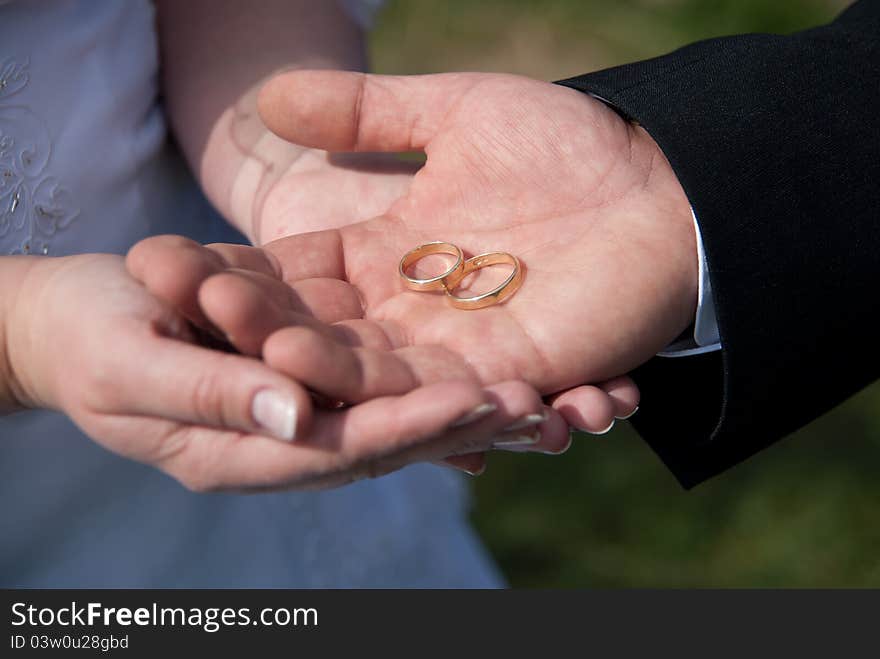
(347,111)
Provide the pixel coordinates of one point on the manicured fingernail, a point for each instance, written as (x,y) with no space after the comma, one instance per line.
(623,418)
(475,414)
(563,450)
(275,413)
(599,432)
(519,442)
(526,421)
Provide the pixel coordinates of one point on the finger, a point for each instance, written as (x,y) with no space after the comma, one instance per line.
(624,395)
(354,374)
(469,434)
(365,441)
(244,311)
(514,403)
(172,268)
(322,255)
(550,435)
(193,385)
(309,255)
(342,446)
(473,464)
(556,434)
(347,111)
(587,408)
(246,257)
(247,308)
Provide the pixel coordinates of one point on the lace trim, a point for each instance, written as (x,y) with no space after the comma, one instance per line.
(34,206)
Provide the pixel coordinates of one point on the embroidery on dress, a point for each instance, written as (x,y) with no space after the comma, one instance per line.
(33,203)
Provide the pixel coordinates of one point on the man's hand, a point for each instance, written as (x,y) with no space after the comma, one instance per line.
(587,201)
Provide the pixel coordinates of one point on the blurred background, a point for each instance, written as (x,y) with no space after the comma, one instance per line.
(803,513)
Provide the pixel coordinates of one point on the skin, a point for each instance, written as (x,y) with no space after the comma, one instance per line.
(264,185)
(137,374)
(161,398)
(81,336)
(586,200)
(216,55)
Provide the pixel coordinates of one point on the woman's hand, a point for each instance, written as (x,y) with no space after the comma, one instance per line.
(237,294)
(234,293)
(85,338)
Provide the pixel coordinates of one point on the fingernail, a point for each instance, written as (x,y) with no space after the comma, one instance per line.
(275,413)
(526,421)
(519,442)
(623,418)
(478,472)
(564,448)
(475,414)
(599,432)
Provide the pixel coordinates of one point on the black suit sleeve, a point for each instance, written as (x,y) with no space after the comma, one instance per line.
(776,141)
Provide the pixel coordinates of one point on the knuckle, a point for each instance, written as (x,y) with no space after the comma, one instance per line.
(206,399)
(100,389)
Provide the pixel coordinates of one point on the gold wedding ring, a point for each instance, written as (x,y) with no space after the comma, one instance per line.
(420,252)
(498,294)
(450,280)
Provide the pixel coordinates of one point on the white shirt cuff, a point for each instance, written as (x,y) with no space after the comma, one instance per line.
(705,338)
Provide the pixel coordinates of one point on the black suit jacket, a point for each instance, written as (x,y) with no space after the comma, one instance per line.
(776,141)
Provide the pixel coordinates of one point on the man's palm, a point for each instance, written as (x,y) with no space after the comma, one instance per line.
(586,201)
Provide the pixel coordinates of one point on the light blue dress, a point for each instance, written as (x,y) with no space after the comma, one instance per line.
(85,167)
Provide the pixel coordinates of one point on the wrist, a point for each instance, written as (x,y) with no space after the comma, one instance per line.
(243,160)
(17,274)
(670,203)
(264,160)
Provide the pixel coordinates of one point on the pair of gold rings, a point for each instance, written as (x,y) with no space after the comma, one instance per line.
(461,268)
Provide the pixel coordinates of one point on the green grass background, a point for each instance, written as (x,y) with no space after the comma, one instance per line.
(803,513)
